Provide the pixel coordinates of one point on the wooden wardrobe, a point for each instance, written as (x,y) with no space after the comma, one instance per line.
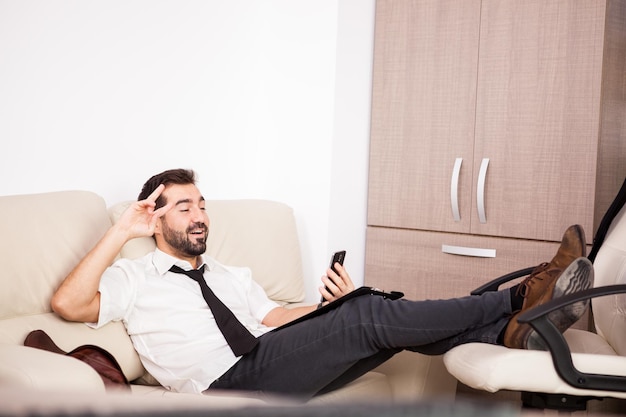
(496,124)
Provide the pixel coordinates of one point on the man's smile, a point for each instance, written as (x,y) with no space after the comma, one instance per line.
(198,231)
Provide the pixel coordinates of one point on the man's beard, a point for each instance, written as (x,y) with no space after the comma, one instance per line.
(181,242)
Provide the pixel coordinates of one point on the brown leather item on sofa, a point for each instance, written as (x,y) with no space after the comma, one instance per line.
(99,359)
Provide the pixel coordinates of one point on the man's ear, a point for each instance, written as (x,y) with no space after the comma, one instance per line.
(158,227)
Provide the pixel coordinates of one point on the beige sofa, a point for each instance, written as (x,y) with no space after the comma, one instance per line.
(43,236)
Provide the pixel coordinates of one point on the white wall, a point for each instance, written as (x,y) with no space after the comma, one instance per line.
(264,99)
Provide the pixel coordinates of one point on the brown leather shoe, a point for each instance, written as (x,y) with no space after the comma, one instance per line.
(539,286)
(577,276)
(573,246)
(541,281)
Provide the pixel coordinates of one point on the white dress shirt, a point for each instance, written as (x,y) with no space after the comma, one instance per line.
(170,323)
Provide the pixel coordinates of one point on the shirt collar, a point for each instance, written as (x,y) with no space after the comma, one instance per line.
(163,262)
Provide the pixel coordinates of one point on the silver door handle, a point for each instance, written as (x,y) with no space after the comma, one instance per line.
(466,251)
(480,190)
(454,189)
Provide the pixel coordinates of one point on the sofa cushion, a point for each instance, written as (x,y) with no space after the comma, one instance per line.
(258,234)
(44,236)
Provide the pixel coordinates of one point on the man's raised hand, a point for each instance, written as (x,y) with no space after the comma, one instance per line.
(140,218)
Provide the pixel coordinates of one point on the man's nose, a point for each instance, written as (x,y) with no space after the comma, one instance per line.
(198,214)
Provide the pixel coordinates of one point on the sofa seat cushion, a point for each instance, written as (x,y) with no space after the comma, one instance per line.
(17,401)
(373,386)
(218,398)
(412,372)
(30,368)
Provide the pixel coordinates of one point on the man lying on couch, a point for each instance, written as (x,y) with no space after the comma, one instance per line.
(183,335)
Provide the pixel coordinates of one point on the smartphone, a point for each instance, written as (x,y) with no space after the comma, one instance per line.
(337,257)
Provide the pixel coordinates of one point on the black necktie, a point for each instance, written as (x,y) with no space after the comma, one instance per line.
(240,340)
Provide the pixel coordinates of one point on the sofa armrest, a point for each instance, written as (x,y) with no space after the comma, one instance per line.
(26,367)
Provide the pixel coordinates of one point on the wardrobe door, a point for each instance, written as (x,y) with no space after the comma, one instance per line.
(423,110)
(537,122)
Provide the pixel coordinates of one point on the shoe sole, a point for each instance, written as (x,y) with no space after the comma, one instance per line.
(576,277)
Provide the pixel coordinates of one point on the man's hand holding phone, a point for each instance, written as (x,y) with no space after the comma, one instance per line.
(337,282)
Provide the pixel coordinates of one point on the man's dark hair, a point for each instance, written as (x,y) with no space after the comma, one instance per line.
(172,176)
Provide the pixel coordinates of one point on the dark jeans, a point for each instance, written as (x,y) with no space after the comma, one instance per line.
(328,351)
